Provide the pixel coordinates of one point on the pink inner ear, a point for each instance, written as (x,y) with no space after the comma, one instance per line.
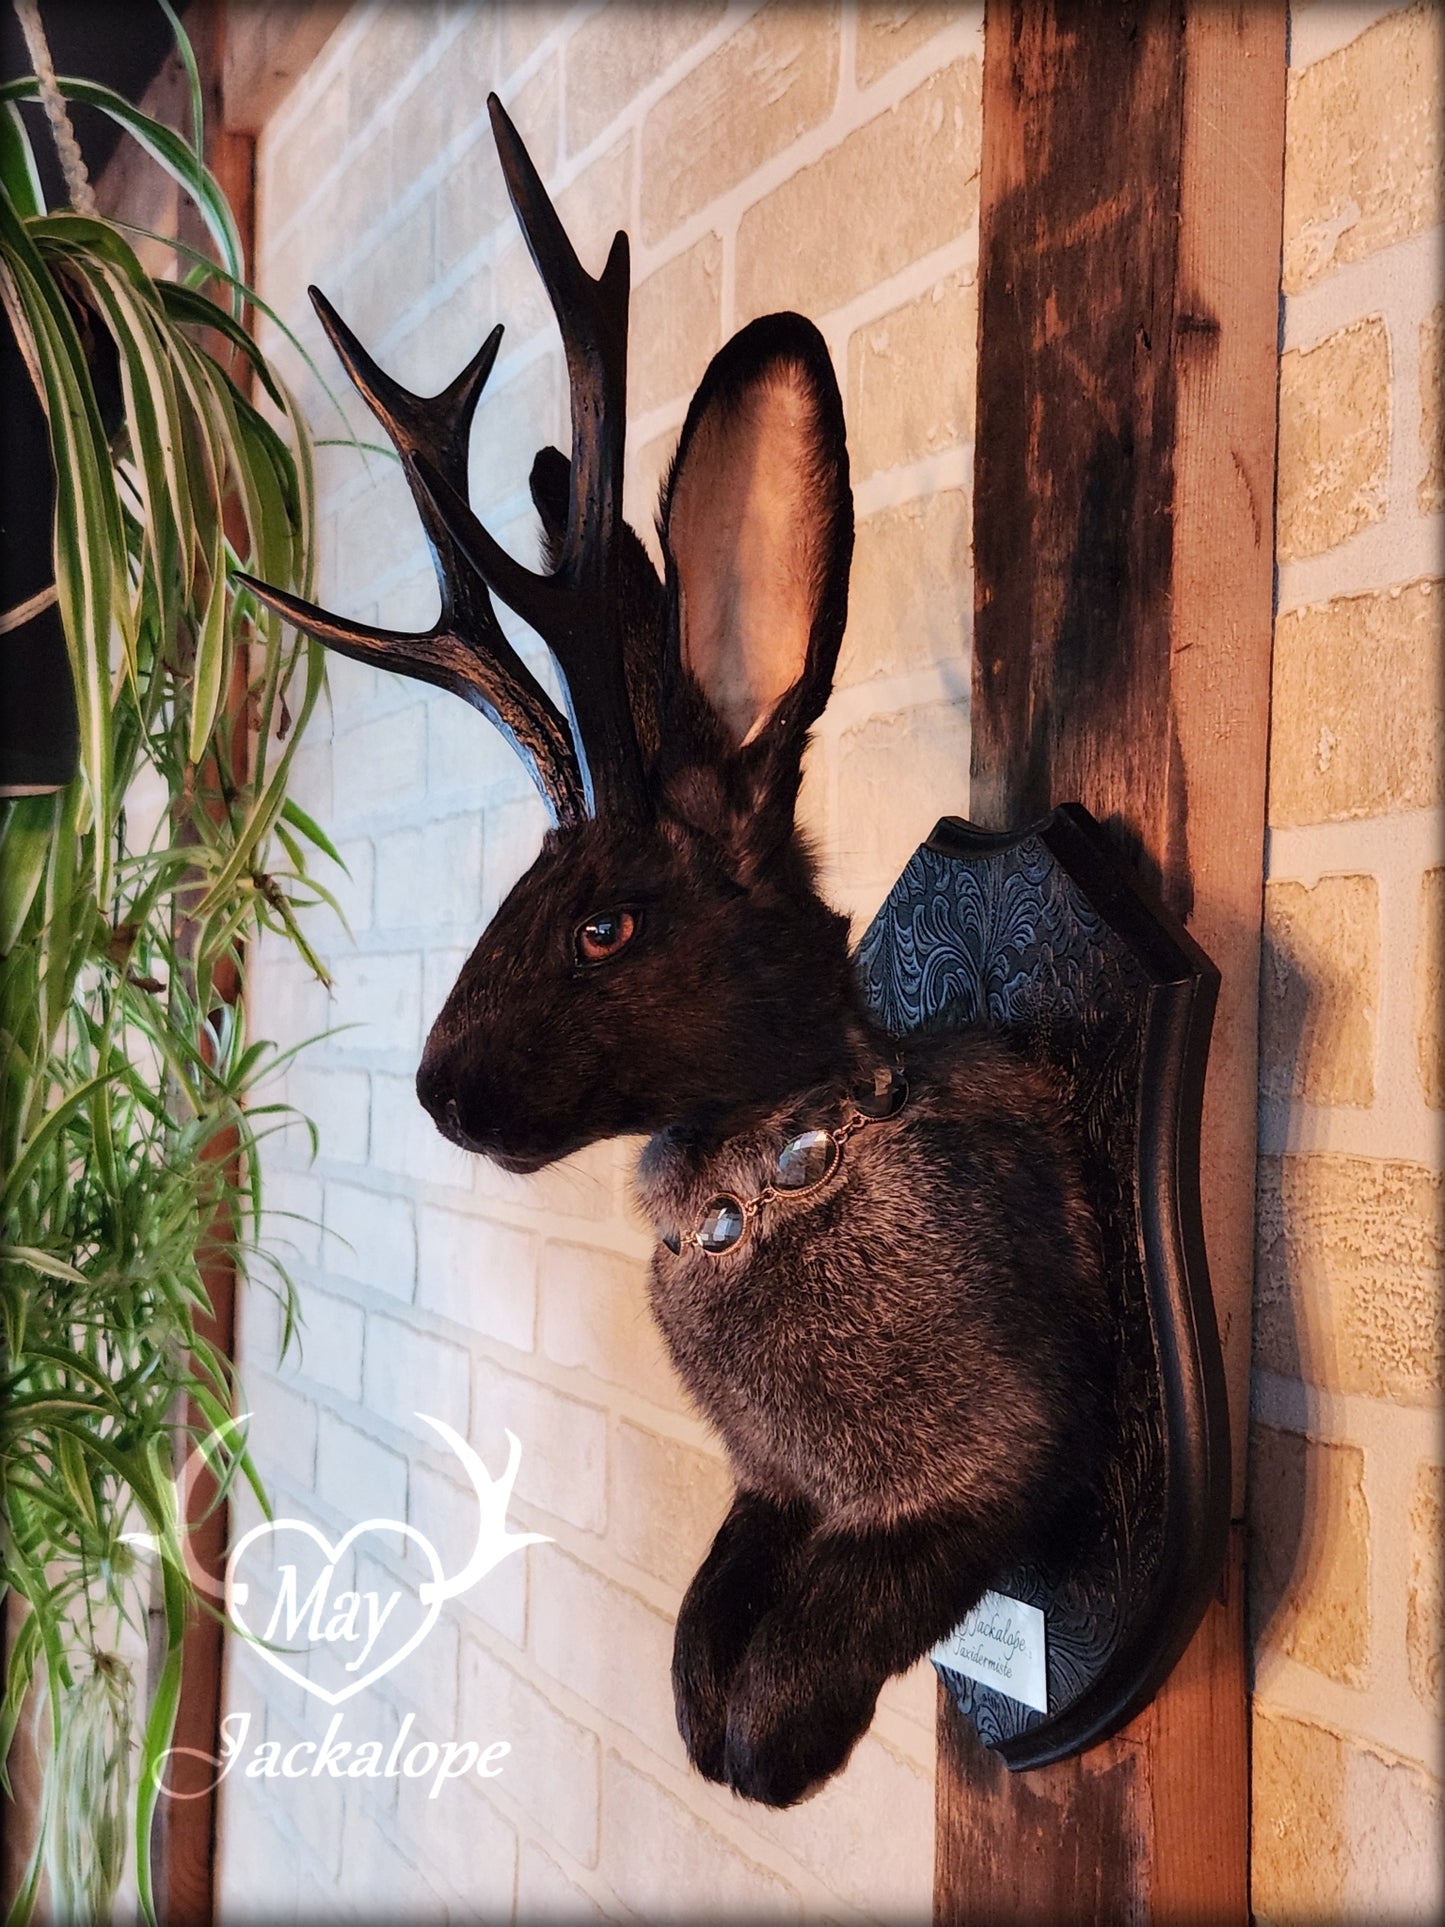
(745,531)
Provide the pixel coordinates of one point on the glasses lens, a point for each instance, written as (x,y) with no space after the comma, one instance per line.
(805,1161)
(723,1221)
(884,1094)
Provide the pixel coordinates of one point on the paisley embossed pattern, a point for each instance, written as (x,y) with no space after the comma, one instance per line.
(1006,938)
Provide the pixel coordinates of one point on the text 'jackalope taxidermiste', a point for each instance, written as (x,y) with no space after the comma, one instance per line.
(875,1269)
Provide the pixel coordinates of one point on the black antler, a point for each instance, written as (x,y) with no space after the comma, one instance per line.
(575,608)
(465,650)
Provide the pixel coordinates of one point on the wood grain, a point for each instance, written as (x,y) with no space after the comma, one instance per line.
(1124,484)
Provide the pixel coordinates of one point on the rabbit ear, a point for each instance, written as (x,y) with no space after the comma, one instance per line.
(757,530)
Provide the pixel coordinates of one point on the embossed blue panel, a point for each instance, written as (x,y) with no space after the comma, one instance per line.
(1047,935)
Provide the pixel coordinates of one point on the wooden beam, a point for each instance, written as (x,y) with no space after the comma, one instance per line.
(1123,538)
(270,45)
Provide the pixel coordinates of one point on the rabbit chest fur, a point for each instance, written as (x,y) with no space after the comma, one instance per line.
(923,1333)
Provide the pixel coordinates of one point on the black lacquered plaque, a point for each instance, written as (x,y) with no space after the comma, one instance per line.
(1046,934)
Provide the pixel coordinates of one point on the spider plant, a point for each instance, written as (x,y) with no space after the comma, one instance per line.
(128,1120)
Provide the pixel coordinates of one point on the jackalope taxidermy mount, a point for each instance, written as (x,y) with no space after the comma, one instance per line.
(876,1271)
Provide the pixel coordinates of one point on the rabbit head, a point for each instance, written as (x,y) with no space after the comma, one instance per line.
(666,960)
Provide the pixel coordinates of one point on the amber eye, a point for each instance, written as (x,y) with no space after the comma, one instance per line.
(604,935)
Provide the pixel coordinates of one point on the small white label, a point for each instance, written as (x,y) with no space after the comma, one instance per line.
(1000,1644)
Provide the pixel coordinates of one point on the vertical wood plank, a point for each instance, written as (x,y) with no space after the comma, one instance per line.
(1124,486)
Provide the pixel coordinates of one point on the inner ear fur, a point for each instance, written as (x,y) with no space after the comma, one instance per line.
(757,529)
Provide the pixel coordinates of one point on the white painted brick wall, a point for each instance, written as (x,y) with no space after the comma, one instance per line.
(440,1284)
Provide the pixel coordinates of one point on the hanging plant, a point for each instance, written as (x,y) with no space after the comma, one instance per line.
(129,1127)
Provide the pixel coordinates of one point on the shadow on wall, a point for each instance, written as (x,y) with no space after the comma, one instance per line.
(1307,1528)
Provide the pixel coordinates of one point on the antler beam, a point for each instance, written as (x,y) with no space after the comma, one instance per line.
(465,650)
(575,608)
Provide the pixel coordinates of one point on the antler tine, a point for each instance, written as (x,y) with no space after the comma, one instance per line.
(575,607)
(465,650)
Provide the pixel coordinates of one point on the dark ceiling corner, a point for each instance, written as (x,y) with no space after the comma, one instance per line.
(123,43)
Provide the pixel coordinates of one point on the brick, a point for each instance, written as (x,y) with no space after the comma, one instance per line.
(257,1869)
(1431,492)
(377,61)
(606,1645)
(667,1502)
(443,338)
(564,1444)
(431,114)
(1348,1275)
(656,1850)
(911,378)
(377,1003)
(771,81)
(887,34)
(545,1893)
(479,1274)
(1356,708)
(282,1422)
(357,1477)
(524,28)
(595,1315)
(1430,988)
(581,1186)
(884,1871)
(293,1215)
(338,1103)
(1339,1833)
(880,820)
(447,1513)
(353,886)
(293,169)
(512,424)
(316,1806)
(619,51)
(431,878)
(787,249)
(676,326)
(461,1839)
(1362,147)
(405,1140)
(331,1342)
(392,275)
(360,190)
(554,1768)
(371,1238)
(311,782)
(1424,1615)
(465,755)
(410,1372)
(381,763)
(377,1880)
(1320,990)
(471,200)
(1334,439)
(296,1001)
(1310,1553)
(908,599)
